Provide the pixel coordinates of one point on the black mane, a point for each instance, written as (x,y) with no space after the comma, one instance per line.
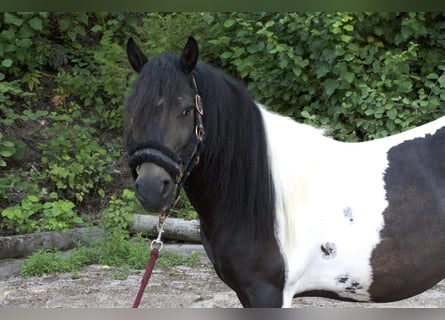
(234,168)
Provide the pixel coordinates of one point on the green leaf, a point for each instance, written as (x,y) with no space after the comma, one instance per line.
(269,24)
(72,35)
(36,24)
(330,86)
(8,144)
(97,28)
(349,77)
(305,114)
(226,55)
(53,195)
(283,63)
(345,38)
(64,24)
(5,153)
(348,27)
(11,19)
(48,205)
(83,17)
(432,76)
(33,198)
(392,114)
(8,34)
(228,23)
(80,30)
(442,81)
(322,69)
(7,63)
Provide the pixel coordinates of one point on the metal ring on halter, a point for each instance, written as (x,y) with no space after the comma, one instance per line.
(199,132)
(158,244)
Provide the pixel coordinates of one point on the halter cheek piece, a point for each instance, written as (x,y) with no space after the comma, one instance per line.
(178,166)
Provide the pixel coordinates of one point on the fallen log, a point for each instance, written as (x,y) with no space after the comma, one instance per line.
(174,228)
(24,245)
(19,246)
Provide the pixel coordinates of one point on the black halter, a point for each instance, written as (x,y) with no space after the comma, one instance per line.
(178,166)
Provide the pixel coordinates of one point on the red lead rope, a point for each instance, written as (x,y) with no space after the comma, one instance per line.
(148,270)
(156,247)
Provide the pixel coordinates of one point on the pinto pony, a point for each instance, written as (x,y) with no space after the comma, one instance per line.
(285,211)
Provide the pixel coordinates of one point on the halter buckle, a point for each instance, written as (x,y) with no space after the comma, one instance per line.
(198,104)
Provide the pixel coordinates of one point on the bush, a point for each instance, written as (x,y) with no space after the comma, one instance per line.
(36,214)
(363,75)
(76,163)
(119,212)
(59,98)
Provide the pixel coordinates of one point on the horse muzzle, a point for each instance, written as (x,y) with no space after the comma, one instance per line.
(154,187)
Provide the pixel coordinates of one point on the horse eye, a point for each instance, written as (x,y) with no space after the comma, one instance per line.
(186,112)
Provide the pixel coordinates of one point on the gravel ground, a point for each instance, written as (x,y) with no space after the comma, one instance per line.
(178,287)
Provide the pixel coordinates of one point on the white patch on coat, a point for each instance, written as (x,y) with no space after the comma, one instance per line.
(315,179)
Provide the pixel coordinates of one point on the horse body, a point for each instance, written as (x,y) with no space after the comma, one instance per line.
(285,211)
(332,212)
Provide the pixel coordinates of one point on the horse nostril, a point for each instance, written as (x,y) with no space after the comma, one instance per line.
(166,188)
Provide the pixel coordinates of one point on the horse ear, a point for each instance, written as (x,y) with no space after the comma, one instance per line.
(135,55)
(189,55)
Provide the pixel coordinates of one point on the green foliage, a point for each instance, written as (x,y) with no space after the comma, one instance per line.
(59,215)
(12,150)
(19,41)
(119,212)
(55,79)
(50,261)
(363,75)
(159,32)
(33,214)
(43,262)
(7,150)
(14,183)
(19,217)
(124,254)
(76,163)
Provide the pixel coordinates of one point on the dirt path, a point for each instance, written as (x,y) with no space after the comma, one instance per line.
(179,287)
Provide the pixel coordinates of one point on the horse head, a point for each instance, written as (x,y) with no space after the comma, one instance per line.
(164,130)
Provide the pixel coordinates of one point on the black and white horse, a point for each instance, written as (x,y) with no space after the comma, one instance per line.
(284,210)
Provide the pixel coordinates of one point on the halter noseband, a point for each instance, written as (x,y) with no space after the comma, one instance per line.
(178,166)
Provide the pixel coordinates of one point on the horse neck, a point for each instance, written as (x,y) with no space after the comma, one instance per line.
(232,188)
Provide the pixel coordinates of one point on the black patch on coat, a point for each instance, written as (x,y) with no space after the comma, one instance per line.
(342,278)
(411,255)
(329,250)
(350,285)
(353,287)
